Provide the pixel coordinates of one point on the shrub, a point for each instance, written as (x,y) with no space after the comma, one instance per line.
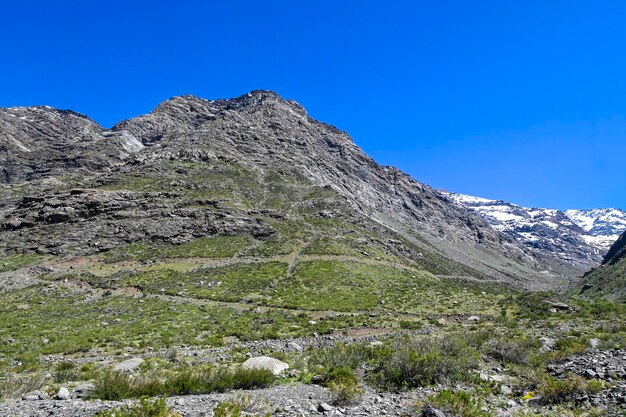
(424,361)
(406,362)
(459,403)
(112,385)
(566,347)
(241,405)
(511,350)
(343,385)
(65,371)
(555,391)
(227,409)
(144,408)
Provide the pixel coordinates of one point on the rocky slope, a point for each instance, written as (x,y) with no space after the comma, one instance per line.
(578,236)
(609,279)
(194,168)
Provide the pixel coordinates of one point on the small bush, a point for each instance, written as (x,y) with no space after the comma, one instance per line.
(351,355)
(343,385)
(111,385)
(556,391)
(227,409)
(424,361)
(65,371)
(145,408)
(405,362)
(459,403)
(511,350)
(567,347)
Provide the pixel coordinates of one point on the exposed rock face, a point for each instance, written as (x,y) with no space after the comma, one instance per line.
(88,188)
(42,142)
(84,221)
(617,251)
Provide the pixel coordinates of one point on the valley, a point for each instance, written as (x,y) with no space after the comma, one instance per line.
(209,232)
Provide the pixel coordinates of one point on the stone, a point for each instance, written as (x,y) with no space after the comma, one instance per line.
(128,365)
(594,343)
(547,344)
(31,396)
(376,343)
(505,390)
(62,394)
(295,346)
(265,362)
(82,390)
(432,412)
(473,318)
(441,321)
(324,408)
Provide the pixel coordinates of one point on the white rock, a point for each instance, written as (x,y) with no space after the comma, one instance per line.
(473,318)
(63,394)
(265,362)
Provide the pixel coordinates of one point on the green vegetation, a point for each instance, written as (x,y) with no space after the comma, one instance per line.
(558,391)
(343,385)
(145,408)
(458,403)
(17,261)
(212,247)
(604,281)
(403,363)
(112,385)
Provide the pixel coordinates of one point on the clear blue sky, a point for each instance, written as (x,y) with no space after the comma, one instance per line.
(518,100)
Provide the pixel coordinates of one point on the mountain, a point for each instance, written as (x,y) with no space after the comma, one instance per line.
(609,279)
(163,255)
(581,237)
(602,226)
(256,168)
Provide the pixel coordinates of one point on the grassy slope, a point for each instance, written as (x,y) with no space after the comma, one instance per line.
(607,281)
(201,291)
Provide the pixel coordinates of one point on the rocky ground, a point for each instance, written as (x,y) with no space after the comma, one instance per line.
(298,399)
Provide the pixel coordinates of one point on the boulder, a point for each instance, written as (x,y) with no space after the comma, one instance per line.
(63,394)
(265,362)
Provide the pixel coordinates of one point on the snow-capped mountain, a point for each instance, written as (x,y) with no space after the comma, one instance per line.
(580,236)
(603,226)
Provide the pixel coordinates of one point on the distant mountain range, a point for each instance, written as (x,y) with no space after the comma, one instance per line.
(579,236)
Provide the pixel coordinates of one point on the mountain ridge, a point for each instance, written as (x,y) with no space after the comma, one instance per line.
(262,133)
